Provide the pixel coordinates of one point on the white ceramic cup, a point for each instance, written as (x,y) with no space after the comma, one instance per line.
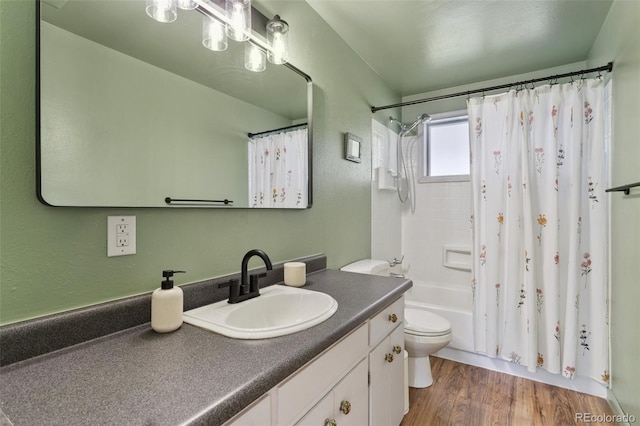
(295,274)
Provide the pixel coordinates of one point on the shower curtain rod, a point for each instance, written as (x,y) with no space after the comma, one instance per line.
(552,78)
(266,132)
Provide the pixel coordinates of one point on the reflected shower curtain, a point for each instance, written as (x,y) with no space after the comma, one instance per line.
(540,273)
(278,170)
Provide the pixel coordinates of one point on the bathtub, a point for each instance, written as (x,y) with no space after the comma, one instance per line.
(454,303)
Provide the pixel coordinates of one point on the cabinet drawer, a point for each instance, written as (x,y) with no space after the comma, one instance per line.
(383,323)
(312,382)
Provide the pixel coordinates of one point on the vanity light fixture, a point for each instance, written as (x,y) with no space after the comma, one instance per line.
(162,10)
(187,4)
(214,36)
(255,59)
(239,19)
(278,41)
(234,22)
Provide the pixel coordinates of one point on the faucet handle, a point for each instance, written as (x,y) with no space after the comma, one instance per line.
(233,282)
(253,281)
(234,288)
(396,261)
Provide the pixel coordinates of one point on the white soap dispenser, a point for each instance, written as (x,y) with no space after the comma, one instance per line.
(167,305)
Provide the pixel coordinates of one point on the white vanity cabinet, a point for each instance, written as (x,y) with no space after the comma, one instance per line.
(386,366)
(303,390)
(357,381)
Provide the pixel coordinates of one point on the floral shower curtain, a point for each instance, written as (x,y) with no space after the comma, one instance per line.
(540,273)
(278,170)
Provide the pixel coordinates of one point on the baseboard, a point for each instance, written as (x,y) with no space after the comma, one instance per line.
(579,384)
(622,418)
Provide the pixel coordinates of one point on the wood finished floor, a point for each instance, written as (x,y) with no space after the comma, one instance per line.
(462,394)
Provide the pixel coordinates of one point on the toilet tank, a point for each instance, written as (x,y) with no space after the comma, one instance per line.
(368,266)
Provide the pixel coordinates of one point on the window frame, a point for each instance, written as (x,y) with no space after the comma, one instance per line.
(425,147)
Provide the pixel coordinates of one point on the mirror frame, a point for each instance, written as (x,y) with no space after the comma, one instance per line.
(258,21)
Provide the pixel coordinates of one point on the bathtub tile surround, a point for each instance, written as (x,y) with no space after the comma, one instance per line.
(386,232)
(200,377)
(441,219)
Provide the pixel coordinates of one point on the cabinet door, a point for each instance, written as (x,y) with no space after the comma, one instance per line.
(351,399)
(347,404)
(395,377)
(319,414)
(386,391)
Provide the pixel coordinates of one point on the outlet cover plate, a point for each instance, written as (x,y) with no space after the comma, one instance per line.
(121,235)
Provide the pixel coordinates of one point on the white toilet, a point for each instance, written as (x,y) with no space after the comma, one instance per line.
(424,331)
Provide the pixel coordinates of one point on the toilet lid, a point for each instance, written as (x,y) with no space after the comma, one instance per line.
(425,323)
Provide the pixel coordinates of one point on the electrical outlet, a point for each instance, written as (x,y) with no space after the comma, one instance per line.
(121,235)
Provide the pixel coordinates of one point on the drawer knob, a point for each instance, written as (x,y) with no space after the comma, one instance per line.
(393,318)
(330,422)
(397,349)
(388,357)
(345,407)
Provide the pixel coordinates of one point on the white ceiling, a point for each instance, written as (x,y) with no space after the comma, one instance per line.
(423,45)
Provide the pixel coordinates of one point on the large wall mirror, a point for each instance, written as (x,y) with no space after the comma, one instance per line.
(137,113)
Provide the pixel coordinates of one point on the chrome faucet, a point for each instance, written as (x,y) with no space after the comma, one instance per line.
(243,289)
(396,261)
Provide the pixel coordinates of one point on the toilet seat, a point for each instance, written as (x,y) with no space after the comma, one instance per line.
(419,322)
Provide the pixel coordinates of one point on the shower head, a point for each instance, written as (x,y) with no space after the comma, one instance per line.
(424,118)
(400,123)
(404,128)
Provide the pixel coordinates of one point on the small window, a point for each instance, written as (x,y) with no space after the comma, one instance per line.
(445,149)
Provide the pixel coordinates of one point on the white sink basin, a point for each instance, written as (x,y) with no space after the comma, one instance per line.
(279,310)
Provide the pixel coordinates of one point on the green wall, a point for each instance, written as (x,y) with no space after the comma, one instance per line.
(54,259)
(619,41)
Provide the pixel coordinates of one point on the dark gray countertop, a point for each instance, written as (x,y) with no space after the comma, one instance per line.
(190,376)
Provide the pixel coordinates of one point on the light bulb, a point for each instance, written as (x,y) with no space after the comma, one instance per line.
(187,4)
(162,10)
(214,36)
(254,58)
(278,50)
(278,40)
(239,16)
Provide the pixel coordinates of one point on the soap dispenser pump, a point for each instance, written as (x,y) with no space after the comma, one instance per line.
(167,305)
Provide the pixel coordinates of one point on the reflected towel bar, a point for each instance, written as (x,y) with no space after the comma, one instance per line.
(623,188)
(170,200)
